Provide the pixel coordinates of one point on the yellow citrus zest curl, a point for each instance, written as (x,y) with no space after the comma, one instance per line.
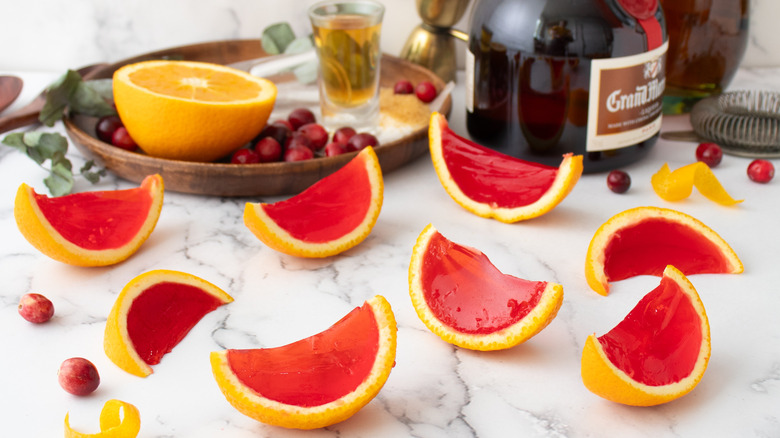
(677,185)
(112,424)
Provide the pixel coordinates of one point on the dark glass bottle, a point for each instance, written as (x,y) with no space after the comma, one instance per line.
(530,72)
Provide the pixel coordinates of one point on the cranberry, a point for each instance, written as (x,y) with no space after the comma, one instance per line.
(761,171)
(298,153)
(360,141)
(425,91)
(36,308)
(343,134)
(618,181)
(122,139)
(300,116)
(245,156)
(709,154)
(279,131)
(316,134)
(268,150)
(332,149)
(403,87)
(106,126)
(78,376)
(297,139)
(284,123)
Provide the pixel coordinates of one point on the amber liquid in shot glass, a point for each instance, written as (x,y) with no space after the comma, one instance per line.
(346,35)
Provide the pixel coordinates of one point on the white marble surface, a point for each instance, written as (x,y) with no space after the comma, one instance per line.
(435,389)
(53,34)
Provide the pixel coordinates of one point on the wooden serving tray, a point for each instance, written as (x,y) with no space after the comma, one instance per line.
(224,179)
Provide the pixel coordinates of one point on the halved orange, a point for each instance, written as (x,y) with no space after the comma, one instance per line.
(678,184)
(118,419)
(192,111)
(494,185)
(644,240)
(465,300)
(331,216)
(96,228)
(317,381)
(657,353)
(153,313)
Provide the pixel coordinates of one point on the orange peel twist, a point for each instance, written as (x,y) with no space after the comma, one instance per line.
(678,184)
(112,424)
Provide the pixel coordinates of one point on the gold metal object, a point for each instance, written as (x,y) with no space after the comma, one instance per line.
(432,43)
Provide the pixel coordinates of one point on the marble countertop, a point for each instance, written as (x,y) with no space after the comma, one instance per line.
(435,389)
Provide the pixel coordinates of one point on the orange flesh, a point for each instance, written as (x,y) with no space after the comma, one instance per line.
(163,314)
(658,342)
(202,84)
(491,178)
(322,213)
(315,370)
(647,247)
(467,293)
(97,220)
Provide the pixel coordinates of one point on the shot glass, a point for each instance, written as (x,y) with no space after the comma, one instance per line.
(346,36)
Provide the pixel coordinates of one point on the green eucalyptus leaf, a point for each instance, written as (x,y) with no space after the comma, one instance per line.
(104,87)
(16,141)
(58,95)
(277,37)
(89,101)
(60,180)
(299,45)
(50,144)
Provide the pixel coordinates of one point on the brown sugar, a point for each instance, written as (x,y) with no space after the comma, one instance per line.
(403,109)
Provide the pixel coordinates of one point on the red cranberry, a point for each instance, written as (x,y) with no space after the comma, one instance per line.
(245,156)
(297,139)
(317,135)
(761,171)
(709,154)
(298,153)
(285,123)
(36,308)
(403,87)
(425,91)
(332,149)
(106,126)
(268,150)
(122,139)
(278,131)
(78,376)
(360,141)
(618,181)
(300,116)
(343,134)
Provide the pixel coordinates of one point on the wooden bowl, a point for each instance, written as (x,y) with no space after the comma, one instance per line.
(224,179)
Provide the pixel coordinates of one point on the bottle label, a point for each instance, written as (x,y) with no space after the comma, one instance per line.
(625,105)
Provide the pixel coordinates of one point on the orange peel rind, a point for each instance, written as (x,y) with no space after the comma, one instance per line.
(112,423)
(677,185)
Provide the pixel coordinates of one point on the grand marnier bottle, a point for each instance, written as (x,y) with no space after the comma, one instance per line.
(547,77)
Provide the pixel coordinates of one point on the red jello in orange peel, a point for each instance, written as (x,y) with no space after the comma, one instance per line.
(97,228)
(644,240)
(153,313)
(316,381)
(465,300)
(657,353)
(494,185)
(677,185)
(333,215)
